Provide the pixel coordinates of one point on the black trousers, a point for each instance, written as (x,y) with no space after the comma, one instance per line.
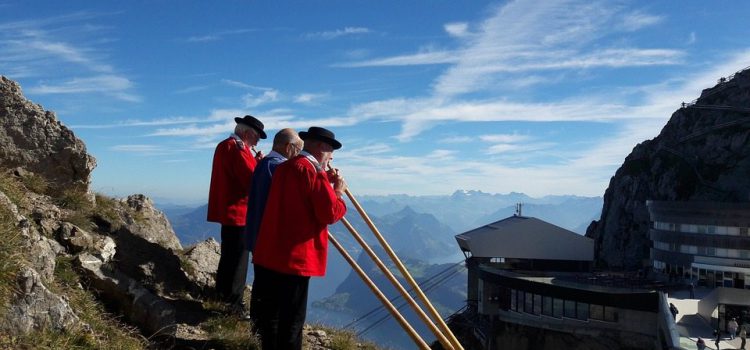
(278,307)
(232,272)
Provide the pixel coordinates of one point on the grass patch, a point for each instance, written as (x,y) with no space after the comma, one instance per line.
(229,332)
(35,183)
(12,188)
(106,210)
(346,340)
(11,256)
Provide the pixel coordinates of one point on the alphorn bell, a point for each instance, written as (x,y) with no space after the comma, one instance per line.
(383,299)
(452,341)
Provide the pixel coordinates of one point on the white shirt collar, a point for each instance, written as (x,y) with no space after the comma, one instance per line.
(276,155)
(312,160)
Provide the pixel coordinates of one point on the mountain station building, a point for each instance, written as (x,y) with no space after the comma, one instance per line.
(531,285)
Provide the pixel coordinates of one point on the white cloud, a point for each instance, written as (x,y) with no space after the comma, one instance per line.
(431,57)
(503,138)
(691,38)
(308,97)
(638,20)
(113,85)
(67,49)
(245,86)
(457,29)
(252,100)
(203,38)
(328,35)
(456,139)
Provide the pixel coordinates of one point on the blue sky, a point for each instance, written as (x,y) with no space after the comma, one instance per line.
(540,97)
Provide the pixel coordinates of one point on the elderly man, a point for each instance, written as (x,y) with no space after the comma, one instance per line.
(286,144)
(231,173)
(293,242)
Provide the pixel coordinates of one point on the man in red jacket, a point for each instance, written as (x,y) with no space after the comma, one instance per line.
(231,174)
(293,241)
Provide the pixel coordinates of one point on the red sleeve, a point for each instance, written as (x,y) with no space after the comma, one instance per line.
(328,207)
(241,163)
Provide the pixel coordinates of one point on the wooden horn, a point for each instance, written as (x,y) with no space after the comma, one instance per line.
(392,309)
(422,315)
(423,297)
(405,273)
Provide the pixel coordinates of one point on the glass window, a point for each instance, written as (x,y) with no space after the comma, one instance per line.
(520,301)
(557,308)
(547,305)
(734,231)
(711,229)
(722,252)
(692,229)
(582,311)
(570,309)
(537,304)
(722,230)
(513,300)
(743,231)
(733,253)
(597,312)
(610,314)
(710,251)
(529,305)
(702,251)
(744,254)
(701,228)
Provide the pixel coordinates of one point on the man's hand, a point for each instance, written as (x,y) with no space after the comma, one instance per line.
(258,155)
(339,185)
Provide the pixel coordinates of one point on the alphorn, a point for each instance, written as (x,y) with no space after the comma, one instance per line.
(383,299)
(426,319)
(454,344)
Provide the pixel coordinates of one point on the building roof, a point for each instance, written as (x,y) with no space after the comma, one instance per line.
(521,237)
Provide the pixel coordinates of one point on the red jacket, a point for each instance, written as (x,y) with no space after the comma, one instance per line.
(293,236)
(231,174)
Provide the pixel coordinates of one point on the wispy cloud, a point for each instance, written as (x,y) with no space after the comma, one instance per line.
(333,34)
(66,49)
(457,29)
(242,85)
(191,89)
(254,100)
(218,35)
(429,57)
(113,85)
(638,20)
(307,98)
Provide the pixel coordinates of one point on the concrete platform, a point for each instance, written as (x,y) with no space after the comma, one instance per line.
(691,325)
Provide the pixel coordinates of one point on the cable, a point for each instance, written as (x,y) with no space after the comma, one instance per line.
(381,320)
(397,297)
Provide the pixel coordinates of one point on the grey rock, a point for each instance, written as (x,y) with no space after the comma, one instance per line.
(37,307)
(701,154)
(202,260)
(150,223)
(78,240)
(137,304)
(34,139)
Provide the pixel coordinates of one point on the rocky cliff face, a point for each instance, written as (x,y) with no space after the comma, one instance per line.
(701,154)
(34,139)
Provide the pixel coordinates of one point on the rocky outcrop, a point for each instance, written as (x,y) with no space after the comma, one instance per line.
(36,307)
(34,139)
(701,154)
(201,262)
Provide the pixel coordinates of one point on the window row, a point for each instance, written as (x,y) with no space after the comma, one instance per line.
(536,304)
(706,229)
(705,251)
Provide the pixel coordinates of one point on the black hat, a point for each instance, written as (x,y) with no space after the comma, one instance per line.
(321,134)
(253,123)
